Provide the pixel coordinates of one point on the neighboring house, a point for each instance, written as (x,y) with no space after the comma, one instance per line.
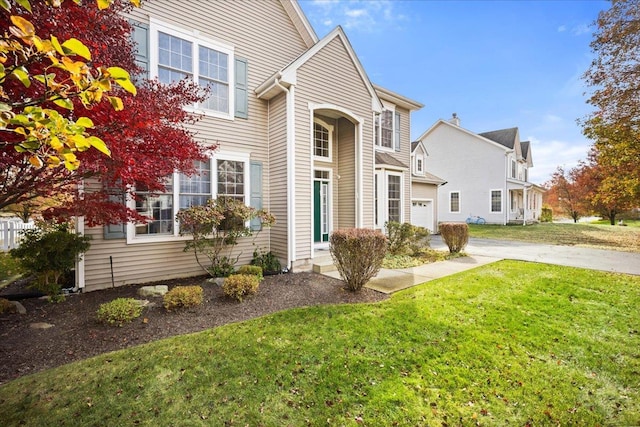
(487,174)
(424,190)
(301,131)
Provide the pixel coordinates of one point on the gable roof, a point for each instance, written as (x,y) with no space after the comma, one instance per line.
(442,122)
(526,152)
(506,137)
(388,160)
(287,76)
(397,99)
(300,21)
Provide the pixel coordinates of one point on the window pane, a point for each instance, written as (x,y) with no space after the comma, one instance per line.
(175,58)
(393,197)
(196,189)
(386,128)
(159,209)
(454,202)
(231,179)
(321,140)
(218,96)
(496,201)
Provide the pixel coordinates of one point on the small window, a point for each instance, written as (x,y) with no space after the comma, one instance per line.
(231,179)
(321,141)
(496,201)
(419,167)
(386,129)
(454,201)
(513,168)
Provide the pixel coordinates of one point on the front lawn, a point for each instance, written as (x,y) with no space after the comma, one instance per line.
(510,343)
(601,236)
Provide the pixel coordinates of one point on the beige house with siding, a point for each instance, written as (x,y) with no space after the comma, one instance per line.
(300,130)
(424,190)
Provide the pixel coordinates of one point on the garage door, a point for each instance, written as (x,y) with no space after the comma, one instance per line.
(422,213)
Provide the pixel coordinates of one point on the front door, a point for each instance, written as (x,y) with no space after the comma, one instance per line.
(321,207)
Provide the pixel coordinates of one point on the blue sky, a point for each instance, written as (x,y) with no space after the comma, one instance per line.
(497,64)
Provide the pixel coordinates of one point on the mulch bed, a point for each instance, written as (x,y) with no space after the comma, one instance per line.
(77,335)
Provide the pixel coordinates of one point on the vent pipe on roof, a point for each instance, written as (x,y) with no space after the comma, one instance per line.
(455,119)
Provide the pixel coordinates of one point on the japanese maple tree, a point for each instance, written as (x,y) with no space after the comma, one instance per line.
(148,137)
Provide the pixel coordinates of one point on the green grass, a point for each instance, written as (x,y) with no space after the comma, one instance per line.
(603,236)
(559,348)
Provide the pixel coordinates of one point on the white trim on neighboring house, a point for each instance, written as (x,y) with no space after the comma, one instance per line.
(195,37)
(463,130)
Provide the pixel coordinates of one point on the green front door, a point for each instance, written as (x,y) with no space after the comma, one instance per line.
(320,211)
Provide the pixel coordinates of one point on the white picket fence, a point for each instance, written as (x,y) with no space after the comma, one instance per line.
(10,233)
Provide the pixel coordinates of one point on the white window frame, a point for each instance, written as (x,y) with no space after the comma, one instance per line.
(330,130)
(514,169)
(196,40)
(132,238)
(378,133)
(386,185)
(491,201)
(419,164)
(451,193)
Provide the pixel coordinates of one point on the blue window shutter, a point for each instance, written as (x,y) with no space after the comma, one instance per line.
(397,130)
(115,231)
(140,36)
(241,94)
(256,192)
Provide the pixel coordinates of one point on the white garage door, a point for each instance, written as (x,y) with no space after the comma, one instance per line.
(422,213)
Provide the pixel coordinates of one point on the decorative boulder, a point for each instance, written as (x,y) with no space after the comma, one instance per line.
(153,291)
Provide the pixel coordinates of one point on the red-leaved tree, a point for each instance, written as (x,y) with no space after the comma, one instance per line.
(148,138)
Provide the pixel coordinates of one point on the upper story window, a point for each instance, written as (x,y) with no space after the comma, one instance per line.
(419,165)
(177,54)
(322,140)
(514,168)
(387,130)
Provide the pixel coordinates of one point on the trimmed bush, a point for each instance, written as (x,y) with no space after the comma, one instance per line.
(358,254)
(183,297)
(267,260)
(455,235)
(240,285)
(6,306)
(406,238)
(119,311)
(252,270)
(546,215)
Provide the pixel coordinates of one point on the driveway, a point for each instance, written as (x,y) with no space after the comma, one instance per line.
(572,256)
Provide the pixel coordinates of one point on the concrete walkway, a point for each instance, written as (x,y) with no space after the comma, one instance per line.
(485,251)
(389,281)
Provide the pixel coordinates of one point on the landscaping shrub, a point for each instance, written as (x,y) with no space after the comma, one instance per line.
(546,215)
(267,260)
(252,270)
(50,252)
(240,285)
(6,306)
(358,254)
(455,235)
(119,311)
(216,228)
(406,238)
(183,297)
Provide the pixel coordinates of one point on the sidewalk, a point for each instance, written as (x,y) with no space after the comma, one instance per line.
(390,281)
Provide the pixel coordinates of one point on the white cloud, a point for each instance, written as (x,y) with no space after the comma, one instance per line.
(562,28)
(549,154)
(581,29)
(358,15)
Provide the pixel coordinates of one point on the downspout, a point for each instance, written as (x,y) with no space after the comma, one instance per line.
(79,282)
(291,219)
(507,199)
